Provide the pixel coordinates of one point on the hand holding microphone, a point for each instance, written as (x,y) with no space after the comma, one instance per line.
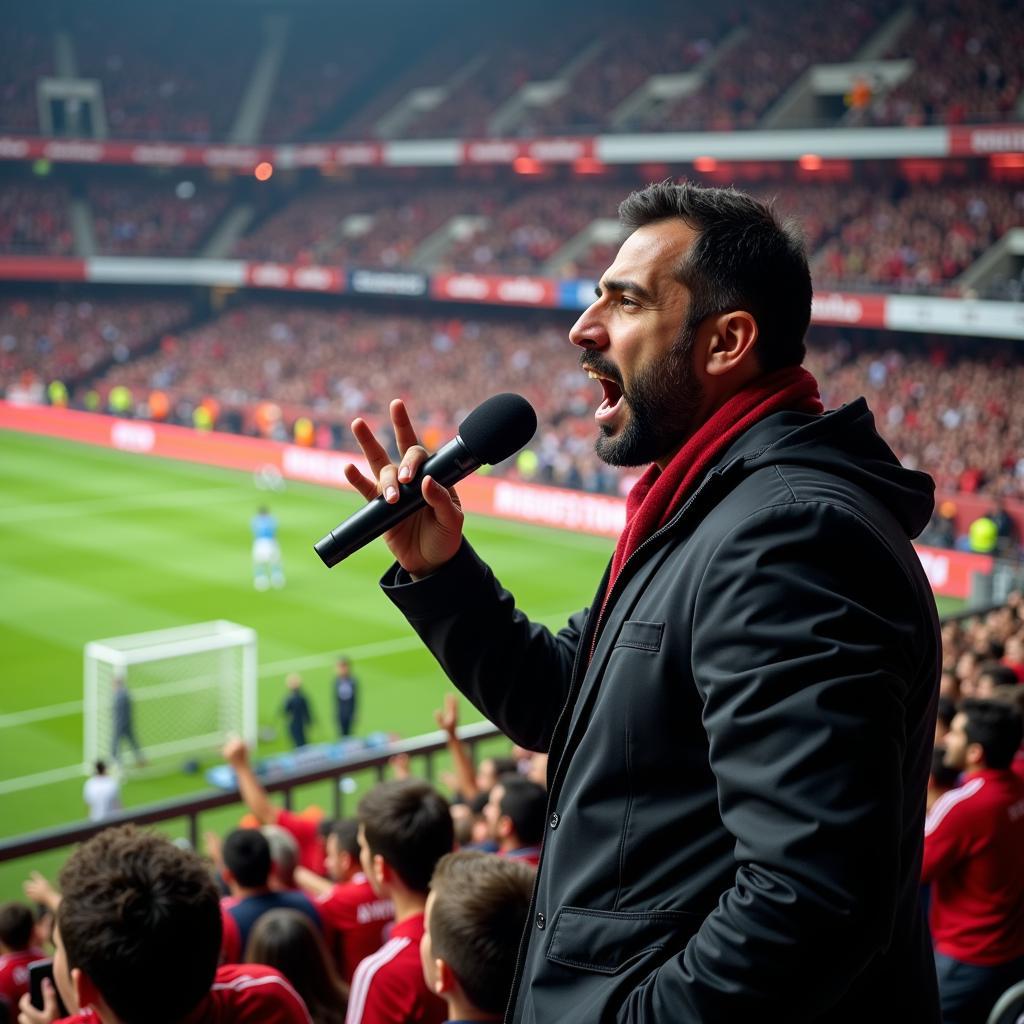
(411,505)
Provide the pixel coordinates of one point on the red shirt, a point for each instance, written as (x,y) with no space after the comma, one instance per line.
(231,937)
(353,917)
(311,846)
(973,852)
(14,977)
(388,986)
(240,994)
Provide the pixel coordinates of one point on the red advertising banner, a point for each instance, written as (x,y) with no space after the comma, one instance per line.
(504,291)
(41,268)
(298,278)
(950,572)
(852,310)
(965,140)
(507,151)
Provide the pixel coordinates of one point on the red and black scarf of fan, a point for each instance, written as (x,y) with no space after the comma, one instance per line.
(659,494)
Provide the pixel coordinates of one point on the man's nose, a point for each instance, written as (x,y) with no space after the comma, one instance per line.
(589,331)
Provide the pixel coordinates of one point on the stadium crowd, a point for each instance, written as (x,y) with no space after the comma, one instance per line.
(937,400)
(34,219)
(292,917)
(71,340)
(161,80)
(966,66)
(139,218)
(883,234)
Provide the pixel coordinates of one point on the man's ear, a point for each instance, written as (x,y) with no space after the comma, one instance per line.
(381,869)
(731,343)
(86,992)
(446,980)
(505,826)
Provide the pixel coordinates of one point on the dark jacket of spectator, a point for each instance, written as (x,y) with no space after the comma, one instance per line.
(739,763)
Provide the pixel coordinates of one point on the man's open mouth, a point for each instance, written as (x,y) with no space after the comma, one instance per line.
(609,406)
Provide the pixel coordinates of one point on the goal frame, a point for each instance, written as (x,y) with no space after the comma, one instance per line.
(121,652)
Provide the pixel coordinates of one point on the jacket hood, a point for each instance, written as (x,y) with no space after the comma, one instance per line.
(843,442)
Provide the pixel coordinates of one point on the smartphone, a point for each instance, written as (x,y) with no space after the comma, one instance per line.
(37,970)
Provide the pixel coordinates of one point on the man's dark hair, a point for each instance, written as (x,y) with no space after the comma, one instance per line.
(526,804)
(101,767)
(16,924)
(996,726)
(247,857)
(744,257)
(346,835)
(134,905)
(945,711)
(476,921)
(408,823)
(1000,674)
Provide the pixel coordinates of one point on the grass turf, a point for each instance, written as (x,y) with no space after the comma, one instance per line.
(97,543)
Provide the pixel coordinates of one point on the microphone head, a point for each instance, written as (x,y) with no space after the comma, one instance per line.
(498,428)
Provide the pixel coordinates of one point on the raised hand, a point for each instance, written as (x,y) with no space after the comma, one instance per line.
(424,541)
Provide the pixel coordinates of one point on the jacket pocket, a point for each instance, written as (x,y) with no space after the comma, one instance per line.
(606,941)
(645,636)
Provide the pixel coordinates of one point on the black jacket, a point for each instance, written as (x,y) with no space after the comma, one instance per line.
(737,774)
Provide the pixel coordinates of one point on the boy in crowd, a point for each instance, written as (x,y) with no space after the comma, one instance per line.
(247,865)
(353,915)
(475,915)
(18,948)
(516,814)
(404,830)
(137,939)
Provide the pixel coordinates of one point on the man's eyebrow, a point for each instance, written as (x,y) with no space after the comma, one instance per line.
(625,286)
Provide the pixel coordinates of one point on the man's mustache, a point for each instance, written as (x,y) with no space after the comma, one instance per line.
(591,361)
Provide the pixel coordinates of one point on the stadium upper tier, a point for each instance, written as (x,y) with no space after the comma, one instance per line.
(264,363)
(882,232)
(320,71)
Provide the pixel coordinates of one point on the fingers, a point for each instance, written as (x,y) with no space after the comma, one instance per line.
(388,476)
(405,435)
(445,505)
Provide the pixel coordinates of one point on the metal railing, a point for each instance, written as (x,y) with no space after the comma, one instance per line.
(191,807)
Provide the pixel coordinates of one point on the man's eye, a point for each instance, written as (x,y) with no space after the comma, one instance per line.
(624,300)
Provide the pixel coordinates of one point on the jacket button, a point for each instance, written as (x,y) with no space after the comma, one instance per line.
(541,922)
(555,819)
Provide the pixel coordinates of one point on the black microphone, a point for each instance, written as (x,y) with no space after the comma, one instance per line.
(492,432)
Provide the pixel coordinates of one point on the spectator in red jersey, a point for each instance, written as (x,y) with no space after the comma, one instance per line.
(973,851)
(475,915)
(404,830)
(247,867)
(137,939)
(353,915)
(19,946)
(1014,656)
(306,832)
(285,940)
(516,812)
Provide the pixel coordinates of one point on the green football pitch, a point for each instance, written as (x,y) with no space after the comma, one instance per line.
(97,543)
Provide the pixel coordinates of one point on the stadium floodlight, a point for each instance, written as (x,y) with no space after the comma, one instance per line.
(190,687)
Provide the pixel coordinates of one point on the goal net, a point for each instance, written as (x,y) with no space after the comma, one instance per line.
(170,692)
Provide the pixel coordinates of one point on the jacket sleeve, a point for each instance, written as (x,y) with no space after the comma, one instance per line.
(517,673)
(803,650)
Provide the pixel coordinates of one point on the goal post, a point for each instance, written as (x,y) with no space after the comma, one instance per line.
(188,689)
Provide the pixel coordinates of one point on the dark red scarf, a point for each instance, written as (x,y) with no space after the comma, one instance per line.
(658,495)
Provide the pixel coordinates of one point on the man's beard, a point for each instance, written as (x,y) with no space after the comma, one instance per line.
(663,401)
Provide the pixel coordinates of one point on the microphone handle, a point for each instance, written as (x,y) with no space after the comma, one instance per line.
(448,465)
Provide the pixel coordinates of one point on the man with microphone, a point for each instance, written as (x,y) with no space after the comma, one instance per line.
(740,725)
